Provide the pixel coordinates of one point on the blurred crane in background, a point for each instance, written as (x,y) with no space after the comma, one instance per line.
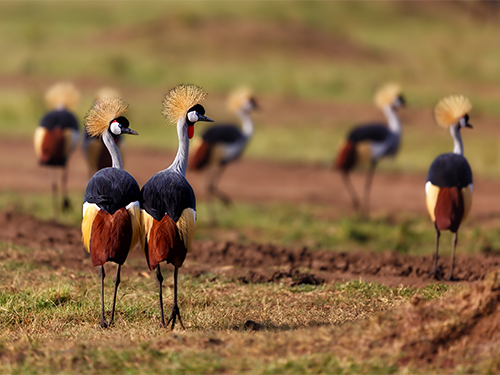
(168,205)
(57,136)
(368,143)
(111,208)
(448,188)
(96,153)
(222,144)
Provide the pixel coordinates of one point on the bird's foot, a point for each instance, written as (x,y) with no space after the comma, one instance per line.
(435,273)
(103,323)
(174,315)
(66,204)
(451,278)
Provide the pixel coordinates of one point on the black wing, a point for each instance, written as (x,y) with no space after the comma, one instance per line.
(167,192)
(370,132)
(59,118)
(450,170)
(112,189)
(222,133)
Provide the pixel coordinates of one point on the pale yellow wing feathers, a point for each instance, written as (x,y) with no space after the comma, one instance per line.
(467,196)
(185,225)
(432,193)
(146,222)
(38,139)
(88,218)
(134,210)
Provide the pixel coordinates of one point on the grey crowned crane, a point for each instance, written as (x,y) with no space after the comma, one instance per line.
(368,143)
(168,205)
(95,152)
(448,188)
(111,208)
(57,136)
(222,144)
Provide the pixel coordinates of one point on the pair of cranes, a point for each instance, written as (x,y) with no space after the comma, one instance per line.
(161,215)
(448,185)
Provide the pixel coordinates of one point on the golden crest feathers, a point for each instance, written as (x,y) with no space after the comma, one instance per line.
(386,94)
(450,109)
(180,99)
(238,98)
(62,94)
(101,114)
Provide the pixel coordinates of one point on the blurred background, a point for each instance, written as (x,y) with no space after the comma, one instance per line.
(313,67)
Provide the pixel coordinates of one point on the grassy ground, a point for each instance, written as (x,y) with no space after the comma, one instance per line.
(49,322)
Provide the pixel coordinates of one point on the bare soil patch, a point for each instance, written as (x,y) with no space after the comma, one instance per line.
(59,246)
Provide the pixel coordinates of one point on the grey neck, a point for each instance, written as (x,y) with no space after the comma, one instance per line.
(246,123)
(180,162)
(113,149)
(392,119)
(458,146)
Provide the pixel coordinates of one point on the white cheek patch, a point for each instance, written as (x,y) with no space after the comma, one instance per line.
(115,128)
(471,188)
(192,116)
(462,122)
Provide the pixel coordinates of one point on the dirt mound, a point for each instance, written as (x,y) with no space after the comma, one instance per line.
(57,245)
(441,332)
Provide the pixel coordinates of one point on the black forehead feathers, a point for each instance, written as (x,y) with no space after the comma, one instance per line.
(198,108)
(466,118)
(402,99)
(122,120)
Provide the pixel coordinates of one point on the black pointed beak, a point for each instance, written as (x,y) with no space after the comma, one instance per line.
(129,131)
(204,118)
(467,125)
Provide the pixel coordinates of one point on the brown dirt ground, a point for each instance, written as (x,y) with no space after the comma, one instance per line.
(250,181)
(59,246)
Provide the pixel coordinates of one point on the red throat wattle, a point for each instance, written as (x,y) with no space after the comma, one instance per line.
(190,131)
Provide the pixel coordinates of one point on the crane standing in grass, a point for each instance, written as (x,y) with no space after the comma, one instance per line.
(370,142)
(222,144)
(57,136)
(96,153)
(448,188)
(111,208)
(168,206)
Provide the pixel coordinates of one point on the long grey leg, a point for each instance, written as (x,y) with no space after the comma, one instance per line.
(159,280)
(368,186)
(117,282)
(175,308)
(53,177)
(102,275)
(351,190)
(64,187)
(454,246)
(435,270)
